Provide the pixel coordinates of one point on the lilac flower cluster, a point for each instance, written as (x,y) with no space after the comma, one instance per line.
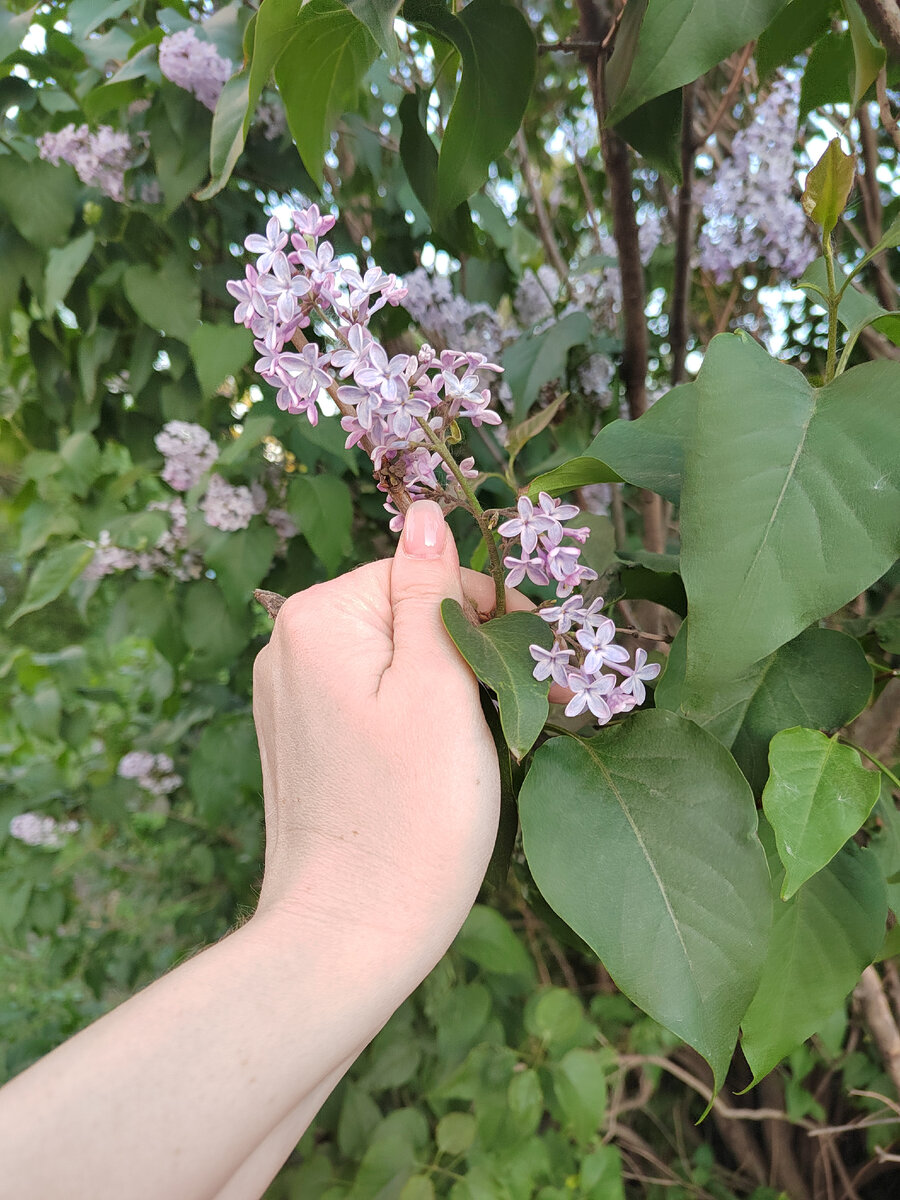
(194,65)
(541,531)
(189,451)
(100,159)
(153,772)
(592,687)
(398,408)
(750,209)
(35,830)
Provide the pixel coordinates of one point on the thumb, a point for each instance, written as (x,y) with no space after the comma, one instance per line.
(424,571)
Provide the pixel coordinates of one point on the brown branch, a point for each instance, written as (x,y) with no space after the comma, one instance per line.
(888,120)
(545,227)
(880,1022)
(635,352)
(783,1166)
(678,321)
(872,207)
(728,95)
(884,18)
(876,729)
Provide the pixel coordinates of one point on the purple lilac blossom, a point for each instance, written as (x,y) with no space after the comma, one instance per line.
(100,159)
(231,508)
(750,208)
(194,65)
(189,452)
(155,773)
(35,830)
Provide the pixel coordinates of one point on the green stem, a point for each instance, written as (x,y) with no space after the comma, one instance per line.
(476,509)
(551,728)
(833,302)
(872,759)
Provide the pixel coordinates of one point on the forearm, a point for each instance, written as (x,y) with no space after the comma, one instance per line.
(172,1092)
(254,1175)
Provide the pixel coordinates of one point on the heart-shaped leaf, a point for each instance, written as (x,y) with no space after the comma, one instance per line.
(821,680)
(645,835)
(498,654)
(818,796)
(821,940)
(789,504)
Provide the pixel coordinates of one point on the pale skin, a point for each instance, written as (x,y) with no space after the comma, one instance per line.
(381,791)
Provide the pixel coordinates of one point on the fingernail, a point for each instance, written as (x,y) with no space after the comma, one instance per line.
(424,531)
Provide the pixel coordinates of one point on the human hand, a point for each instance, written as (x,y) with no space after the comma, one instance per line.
(380,776)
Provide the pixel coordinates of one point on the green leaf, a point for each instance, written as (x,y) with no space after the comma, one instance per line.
(420,1187)
(821,941)
(656,577)
(167,299)
(322,508)
(793,31)
(520,435)
(493,92)
(856,309)
(39,199)
(63,265)
(677,42)
(579,1081)
(487,940)
(556,1018)
(821,680)
(378,18)
(868,53)
(601,1174)
(13,27)
(649,452)
(828,186)
(256,426)
(576,473)
(52,576)
(455,1133)
(242,560)
(498,654)
(807,522)
(84,16)
(219,351)
(645,835)
(537,358)
(828,73)
(223,765)
(228,132)
(319,73)
(420,161)
(654,130)
(818,796)
(214,632)
(359,1117)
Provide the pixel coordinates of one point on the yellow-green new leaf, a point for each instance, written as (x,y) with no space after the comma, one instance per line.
(817,796)
(828,186)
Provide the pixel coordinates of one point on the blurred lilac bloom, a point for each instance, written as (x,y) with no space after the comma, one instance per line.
(552,663)
(590,691)
(600,646)
(642,670)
